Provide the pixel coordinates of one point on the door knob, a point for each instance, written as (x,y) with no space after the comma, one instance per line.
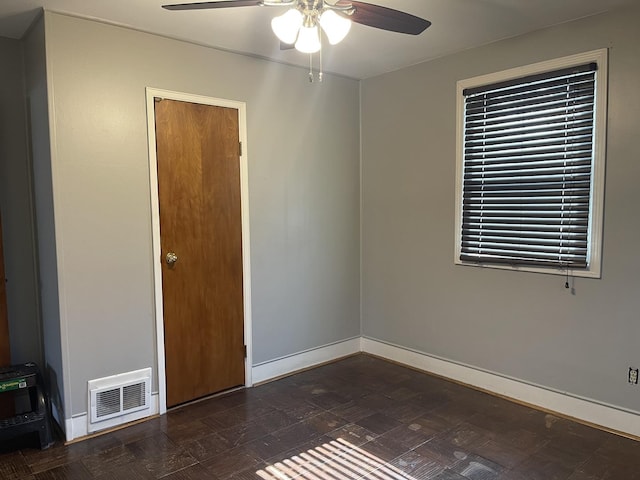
(171,258)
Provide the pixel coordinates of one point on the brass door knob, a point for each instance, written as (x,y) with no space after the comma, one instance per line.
(171,258)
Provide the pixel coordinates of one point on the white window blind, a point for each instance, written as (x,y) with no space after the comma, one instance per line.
(528,159)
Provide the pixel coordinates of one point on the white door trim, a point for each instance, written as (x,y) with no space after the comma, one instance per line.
(155,226)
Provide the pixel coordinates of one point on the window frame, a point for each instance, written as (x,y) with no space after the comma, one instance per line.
(596,210)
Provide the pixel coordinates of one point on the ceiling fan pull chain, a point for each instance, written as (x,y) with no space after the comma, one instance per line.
(320,54)
(311,68)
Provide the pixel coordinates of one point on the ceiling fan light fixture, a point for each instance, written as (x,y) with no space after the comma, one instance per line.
(287,25)
(308,40)
(335,26)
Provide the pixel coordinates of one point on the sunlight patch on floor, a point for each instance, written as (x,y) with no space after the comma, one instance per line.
(336,460)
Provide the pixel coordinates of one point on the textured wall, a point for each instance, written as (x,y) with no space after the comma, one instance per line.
(48,256)
(16,209)
(303,150)
(523,325)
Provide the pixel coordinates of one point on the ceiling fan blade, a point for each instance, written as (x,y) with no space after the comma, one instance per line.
(385,18)
(206,5)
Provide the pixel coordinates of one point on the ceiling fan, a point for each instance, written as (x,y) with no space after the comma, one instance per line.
(301,24)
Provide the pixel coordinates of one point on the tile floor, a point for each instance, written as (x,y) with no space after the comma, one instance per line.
(361,417)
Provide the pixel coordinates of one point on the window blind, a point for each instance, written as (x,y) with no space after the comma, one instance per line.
(528,158)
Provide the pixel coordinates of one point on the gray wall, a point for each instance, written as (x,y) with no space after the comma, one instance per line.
(38,110)
(303,149)
(16,209)
(523,325)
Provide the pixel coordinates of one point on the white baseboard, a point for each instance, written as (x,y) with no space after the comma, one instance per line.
(589,411)
(586,410)
(78,426)
(299,361)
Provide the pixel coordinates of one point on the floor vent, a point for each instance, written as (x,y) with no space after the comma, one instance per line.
(118,399)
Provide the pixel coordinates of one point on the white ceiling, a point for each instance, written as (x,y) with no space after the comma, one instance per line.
(366,52)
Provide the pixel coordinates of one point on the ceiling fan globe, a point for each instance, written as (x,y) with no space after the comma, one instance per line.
(308,40)
(287,25)
(335,26)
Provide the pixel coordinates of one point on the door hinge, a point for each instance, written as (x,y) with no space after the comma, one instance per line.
(240,148)
(245,351)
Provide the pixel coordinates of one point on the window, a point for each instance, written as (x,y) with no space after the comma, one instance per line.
(530,176)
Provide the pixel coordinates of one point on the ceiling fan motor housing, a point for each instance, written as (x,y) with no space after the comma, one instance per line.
(311,10)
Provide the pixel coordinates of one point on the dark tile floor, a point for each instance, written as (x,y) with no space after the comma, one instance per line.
(360,417)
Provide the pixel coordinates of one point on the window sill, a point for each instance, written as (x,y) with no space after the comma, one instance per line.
(584,273)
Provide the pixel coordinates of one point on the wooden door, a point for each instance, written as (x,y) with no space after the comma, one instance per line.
(5,352)
(198,155)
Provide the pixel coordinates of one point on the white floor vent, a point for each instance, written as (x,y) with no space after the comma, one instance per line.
(119,399)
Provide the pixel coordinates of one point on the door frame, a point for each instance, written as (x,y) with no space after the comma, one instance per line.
(151,94)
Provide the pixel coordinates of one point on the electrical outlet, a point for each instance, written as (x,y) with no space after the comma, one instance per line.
(633,376)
